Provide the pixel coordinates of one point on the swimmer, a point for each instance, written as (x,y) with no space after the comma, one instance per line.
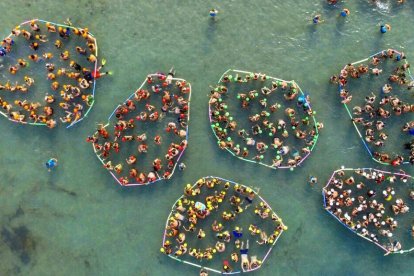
(386,88)
(226,267)
(376,71)
(234,257)
(80,50)
(92,58)
(41,38)
(34,26)
(47,55)
(182,166)
(131,160)
(34,57)
(264,239)
(220,246)
(58,44)
(50,28)
(68,22)
(51,163)
(313,180)
(213,13)
(96,74)
(345,13)
(201,234)
(245,264)
(65,55)
(217,227)
(254,262)
(34,46)
(203,272)
(170,76)
(385,28)
(75,66)
(317,19)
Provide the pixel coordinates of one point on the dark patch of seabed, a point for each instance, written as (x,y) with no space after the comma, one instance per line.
(20,241)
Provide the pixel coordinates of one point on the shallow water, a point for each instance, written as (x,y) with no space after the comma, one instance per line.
(77,221)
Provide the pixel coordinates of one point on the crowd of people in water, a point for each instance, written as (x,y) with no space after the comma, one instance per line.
(161,104)
(280,129)
(366,201)
(206,223)
(67,56)
(373,115)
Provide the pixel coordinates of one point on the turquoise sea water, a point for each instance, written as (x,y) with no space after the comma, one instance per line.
(77,221)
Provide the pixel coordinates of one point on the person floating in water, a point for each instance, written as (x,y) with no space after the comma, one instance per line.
(51,164)
(345,13)
(203,272)
(385,28)
(182,166)
(213,12)
(170,76)
(317,19)
(313,180)
(96,74)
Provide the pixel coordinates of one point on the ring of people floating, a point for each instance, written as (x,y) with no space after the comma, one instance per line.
(375,205)
(221,226)
(41,56)
(386,105)
(263,119)
(146,135)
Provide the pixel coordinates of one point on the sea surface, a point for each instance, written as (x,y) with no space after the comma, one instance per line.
(76,220)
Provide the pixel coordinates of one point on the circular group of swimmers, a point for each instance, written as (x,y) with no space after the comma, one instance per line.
(280,119)
(366,202)
(210,210)
(374,113)
(164,98)
(71,83)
